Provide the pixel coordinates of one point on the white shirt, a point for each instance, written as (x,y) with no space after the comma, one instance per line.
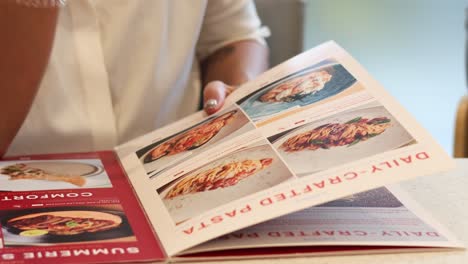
(122,68)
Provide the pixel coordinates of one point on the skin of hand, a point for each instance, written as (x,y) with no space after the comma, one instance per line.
(215,90)
(229,67)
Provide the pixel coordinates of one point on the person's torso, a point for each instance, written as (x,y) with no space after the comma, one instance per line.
(118,69)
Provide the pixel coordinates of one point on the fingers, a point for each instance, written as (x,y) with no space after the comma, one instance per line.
(214,94)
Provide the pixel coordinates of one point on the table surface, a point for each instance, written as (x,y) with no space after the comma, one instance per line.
(444,197)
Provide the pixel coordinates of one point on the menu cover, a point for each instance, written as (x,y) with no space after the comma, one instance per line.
(71,208)
(251,180)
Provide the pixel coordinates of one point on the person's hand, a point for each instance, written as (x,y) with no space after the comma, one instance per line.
(214,95)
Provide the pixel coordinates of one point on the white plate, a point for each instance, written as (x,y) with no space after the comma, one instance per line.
(186,206)
(309,161)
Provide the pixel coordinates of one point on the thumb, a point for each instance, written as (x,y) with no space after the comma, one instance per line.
(213,96)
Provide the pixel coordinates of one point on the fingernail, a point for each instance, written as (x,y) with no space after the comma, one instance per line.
(211,103)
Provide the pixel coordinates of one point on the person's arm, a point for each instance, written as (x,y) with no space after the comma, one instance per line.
(230,66)
(26,37)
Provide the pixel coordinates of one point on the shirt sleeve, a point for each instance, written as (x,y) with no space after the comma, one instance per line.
(228,21)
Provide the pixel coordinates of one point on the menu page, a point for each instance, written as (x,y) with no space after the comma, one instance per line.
(71,208)
(381,217)
(313,129)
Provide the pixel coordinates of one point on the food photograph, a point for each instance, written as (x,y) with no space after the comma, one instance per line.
(52,175)
(59,225)
(224,180)
(300,89)
(341,138)
(175,148)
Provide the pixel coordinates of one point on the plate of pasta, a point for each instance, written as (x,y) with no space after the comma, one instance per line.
(341,138)
(224,180)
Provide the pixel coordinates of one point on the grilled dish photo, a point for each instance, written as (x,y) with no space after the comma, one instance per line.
(190,139)
(105,223)
(24,171)
(218,177)
(64,223)
(297,88)
(303,88)
(337,134)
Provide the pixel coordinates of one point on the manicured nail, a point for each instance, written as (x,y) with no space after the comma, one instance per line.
(211,103)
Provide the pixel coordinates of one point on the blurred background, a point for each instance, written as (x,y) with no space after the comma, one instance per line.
(415,49)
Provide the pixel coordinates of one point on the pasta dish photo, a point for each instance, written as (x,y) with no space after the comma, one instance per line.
(337,134)
(341,138)
(191,139)
(218,177)
(217,183)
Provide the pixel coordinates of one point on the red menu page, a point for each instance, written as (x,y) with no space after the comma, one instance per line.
(71,208)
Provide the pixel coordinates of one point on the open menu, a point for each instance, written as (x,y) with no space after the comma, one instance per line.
(71,208)
(295,163)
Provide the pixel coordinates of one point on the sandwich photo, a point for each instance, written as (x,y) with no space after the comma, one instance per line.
(64,223)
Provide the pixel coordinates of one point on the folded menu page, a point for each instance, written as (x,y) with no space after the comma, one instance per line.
(314,129)
(381,220)
(291,165)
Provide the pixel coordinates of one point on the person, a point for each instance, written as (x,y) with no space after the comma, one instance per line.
(91,74)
